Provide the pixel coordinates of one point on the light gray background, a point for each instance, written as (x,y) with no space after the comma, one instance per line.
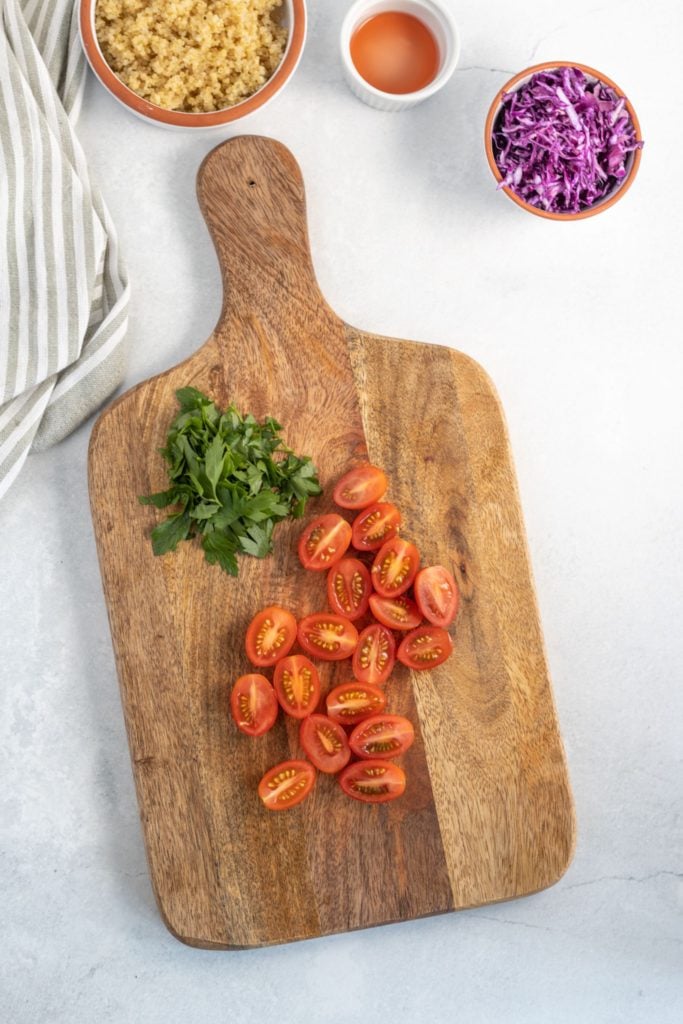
(579,326)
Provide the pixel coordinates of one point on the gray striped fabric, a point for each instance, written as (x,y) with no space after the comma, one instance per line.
(63,289)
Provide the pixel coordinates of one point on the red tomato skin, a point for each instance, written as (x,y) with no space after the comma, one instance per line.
(410,617)
(368,522)
(392,781)
(413,659)
(360,487)
(393,550)
(374,656)
(256,689)
(280,619)
(323,542)
(342,632)
(434,586)
(340,710)
(287,671)
(357,587)
(316,735)
(302,781)
(382,736)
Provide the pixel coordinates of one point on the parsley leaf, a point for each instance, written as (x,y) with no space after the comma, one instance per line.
(220,549)
(232,480)
(258,541)
(167,535)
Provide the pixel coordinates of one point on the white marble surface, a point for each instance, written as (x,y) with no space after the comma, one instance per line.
(579,326)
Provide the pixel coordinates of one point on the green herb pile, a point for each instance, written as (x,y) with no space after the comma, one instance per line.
(233,479)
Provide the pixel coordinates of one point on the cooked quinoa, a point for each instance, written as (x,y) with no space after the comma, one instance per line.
(192,55)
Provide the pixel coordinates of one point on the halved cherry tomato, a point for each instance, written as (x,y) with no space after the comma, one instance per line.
(425,647)
(437,595)
(360,487)
(373,782)
(297,685)
(350,703)
(253,704)
(349,588)
(327,636)
(394,567)
(373,658)
(375,525)
(270,636)
(323,542)
(325,743)
(286,785)
(382,736)
(395,612)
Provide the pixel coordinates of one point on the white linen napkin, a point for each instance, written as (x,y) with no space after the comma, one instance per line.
(63,288)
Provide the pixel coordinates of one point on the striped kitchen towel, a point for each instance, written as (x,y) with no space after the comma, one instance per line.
(63,288)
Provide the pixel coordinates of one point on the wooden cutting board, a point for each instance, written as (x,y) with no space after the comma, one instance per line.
(488,813)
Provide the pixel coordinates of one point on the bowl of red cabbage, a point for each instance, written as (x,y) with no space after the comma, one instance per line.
(563,141)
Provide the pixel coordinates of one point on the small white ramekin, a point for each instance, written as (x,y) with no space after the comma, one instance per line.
(436,15)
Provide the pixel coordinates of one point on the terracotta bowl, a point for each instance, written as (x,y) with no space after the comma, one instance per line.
(632,162)
(294,18)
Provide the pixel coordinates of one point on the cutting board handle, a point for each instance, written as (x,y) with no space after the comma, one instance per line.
(251,193)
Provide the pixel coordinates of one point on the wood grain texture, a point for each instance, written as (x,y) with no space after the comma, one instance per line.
(488,813)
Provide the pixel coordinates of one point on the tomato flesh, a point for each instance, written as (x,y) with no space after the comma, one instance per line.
(349,588)
(253,704)
(350,703)
(297,685)
(395,612)
(382,736)
(270,636)
(376,525)
(324,542)
(373,782)
(425,647)
(437,595)
(286,785)
(360,487)
(394,567)
(374,657)
(325,743)
(327,636)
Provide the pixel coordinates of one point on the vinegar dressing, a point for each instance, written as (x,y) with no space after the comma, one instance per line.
(395,52)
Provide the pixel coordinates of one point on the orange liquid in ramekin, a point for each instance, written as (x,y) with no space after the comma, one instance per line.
(395,52)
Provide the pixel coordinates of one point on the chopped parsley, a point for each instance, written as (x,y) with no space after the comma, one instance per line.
(232,479)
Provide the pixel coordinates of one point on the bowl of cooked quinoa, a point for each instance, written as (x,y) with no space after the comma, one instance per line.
(193,63)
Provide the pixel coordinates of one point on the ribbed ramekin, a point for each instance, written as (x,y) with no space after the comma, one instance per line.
(438,19)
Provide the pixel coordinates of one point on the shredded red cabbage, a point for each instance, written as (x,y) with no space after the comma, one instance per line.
(562,141)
